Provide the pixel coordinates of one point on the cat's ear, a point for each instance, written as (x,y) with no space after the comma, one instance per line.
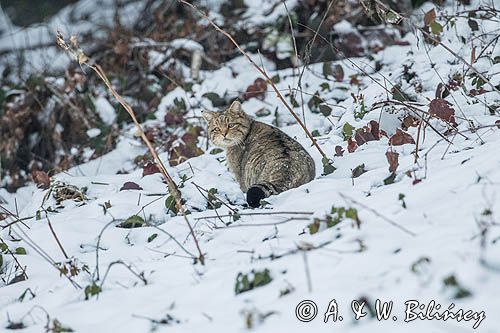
(208,115)
(235,107)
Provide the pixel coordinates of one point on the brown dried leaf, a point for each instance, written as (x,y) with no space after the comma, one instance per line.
(130,186)
(409,121)
(149,169)
(351,145)
(393,159)
(400,138)
(338,72)
(258,89)
(442,109)
(429,17)
(187,149)
(339,151)
(41,179)
(370,132)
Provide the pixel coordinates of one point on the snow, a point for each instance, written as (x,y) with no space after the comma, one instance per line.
(93,132)
(105,110)
(441,233)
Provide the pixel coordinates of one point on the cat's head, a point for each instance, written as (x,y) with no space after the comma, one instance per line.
(228,128)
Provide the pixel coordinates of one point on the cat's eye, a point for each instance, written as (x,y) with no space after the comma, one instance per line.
(215,130)
(231,125)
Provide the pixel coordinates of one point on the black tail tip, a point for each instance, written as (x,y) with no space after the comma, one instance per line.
(254,195)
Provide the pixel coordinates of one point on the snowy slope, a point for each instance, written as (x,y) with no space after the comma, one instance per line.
(405,248)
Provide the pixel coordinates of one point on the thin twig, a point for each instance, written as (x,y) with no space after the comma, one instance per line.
(172,186)
(261,71)
(391,222)
(54,234)
(257,213)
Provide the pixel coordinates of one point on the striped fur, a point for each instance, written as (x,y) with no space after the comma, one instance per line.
(258,154)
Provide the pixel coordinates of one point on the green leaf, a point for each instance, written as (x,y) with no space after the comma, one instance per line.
(92,290)
(213,202)
(325,110)
(20,250)
(358,171)
(314,226)
(347,131)
(152,238)
(436,28)
(390,179)
(134,221)
(328,167)
(325,86)
(314,103)
(170,204)
(264,112)
(180,103)
(255,279)
(216,100)
(216,151)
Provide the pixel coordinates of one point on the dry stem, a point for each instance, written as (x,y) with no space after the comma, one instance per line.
(261,71)
(82,59)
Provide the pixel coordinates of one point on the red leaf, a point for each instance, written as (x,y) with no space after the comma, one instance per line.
(393,159)
(130,186)
(351,145)
(257,89)
(442,109)
(339,151)
(41,179)
(370,132)
(400,138)
(149,169)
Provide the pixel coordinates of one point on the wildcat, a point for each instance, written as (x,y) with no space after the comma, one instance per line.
(264,160)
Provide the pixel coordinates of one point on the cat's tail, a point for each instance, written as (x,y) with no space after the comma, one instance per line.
(258,192)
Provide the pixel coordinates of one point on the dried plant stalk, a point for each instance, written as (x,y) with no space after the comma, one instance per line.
(261,71)
(77,53)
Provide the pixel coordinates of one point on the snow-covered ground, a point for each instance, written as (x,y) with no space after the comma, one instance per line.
(431,235)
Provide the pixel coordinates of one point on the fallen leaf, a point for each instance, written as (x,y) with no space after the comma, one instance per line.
(258,89)
(41,179)
(393,159)
(149,169)
(339,151)
(130,186)
(351,145)
(429,17)
(409,121)
(370,132)
(442,109)
(400,138)
(358,171)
